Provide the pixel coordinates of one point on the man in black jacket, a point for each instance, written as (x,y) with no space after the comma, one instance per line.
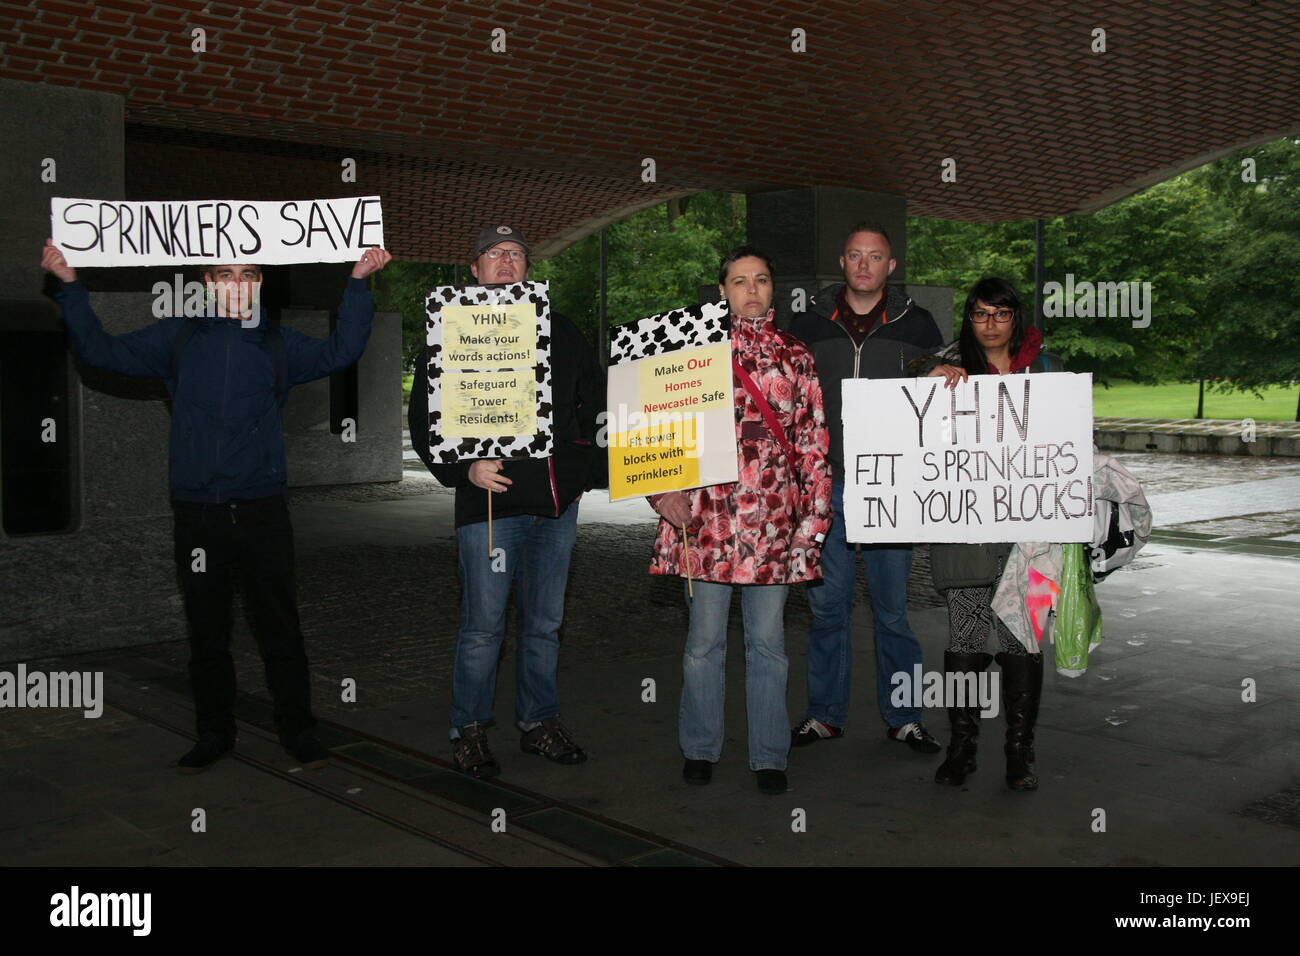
(861,329)
(534,526)
(229,374)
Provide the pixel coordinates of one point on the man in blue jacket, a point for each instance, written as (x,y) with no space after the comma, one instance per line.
(228,374)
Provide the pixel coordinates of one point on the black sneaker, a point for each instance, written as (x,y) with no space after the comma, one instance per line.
(915,736)
(551,740)
(698,772)
(209,749)
(470,752)
(813,730)
(307,750)
(772,782)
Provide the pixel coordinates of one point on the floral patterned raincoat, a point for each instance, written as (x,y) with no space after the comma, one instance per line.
(761,529)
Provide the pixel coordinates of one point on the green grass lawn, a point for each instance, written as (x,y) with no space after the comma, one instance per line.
(1129,400)
(406,389)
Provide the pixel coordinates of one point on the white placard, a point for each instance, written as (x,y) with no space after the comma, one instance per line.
(1000,458)
(103,232)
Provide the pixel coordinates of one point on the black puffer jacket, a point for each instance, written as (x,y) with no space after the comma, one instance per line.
(909,332)
(971,565)
(539,486)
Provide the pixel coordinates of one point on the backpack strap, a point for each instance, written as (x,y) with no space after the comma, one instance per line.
(272,341)
(769,415)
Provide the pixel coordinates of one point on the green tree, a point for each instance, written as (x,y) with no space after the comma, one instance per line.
(656,260)
(1255,296)
(403,287)
(1163,235)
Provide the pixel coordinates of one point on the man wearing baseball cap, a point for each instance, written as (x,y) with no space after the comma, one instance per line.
(534,526)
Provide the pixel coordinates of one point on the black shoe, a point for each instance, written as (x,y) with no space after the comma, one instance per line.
(1022,688)
(964,722)
(209,749)
(697,771)
(470,752)
(772,782)
(307,750)
(813,730)
(551,740)
(915,736)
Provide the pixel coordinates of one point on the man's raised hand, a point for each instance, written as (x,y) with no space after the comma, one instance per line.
(52,261)
(372,260)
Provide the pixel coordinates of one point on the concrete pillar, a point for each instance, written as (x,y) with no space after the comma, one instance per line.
(82,133)
(58,142)
(803,230)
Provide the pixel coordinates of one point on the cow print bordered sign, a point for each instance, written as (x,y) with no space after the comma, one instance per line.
(690,327)
(455,448)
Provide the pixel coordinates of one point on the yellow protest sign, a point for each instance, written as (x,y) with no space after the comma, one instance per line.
(672,415)
(661,457)
(489,336)
(686,382)
(488,404)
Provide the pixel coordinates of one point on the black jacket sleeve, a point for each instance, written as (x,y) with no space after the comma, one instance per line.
(590,402)
(453,475)
(931,337)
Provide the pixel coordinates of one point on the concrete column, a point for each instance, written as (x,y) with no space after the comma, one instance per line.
(58,142)
(803,230)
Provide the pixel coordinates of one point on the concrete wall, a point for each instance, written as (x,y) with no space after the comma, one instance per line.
(1192,438)
(318,457)
(82,132)
(938,300)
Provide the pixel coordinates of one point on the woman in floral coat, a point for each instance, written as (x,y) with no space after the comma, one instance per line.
(763,531)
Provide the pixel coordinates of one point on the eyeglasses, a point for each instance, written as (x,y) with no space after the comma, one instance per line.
(1000,316)
(514,255)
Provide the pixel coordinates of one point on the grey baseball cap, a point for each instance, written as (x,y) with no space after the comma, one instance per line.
(494,235)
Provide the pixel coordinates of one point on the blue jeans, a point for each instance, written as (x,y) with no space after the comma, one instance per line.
(700,721)
(535,552)
(830,639)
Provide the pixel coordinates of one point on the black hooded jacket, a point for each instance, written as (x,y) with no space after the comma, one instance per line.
(539,486)
(908,333)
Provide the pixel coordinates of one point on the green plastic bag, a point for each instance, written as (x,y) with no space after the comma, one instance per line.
(1076,626)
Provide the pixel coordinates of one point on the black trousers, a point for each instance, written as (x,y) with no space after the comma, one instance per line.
(248,544)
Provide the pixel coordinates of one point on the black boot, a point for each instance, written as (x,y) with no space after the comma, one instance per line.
(964,721)
(1022,687)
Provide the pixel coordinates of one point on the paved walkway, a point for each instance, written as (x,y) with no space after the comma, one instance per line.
(1157,733)
(1268,495)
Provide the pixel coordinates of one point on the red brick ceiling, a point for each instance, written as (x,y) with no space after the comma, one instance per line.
(551,134)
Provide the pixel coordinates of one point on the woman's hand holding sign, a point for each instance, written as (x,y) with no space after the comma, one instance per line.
(673,505)
(952,374)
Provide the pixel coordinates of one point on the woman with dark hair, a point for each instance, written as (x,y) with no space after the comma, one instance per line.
(763,531)
(993,341)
